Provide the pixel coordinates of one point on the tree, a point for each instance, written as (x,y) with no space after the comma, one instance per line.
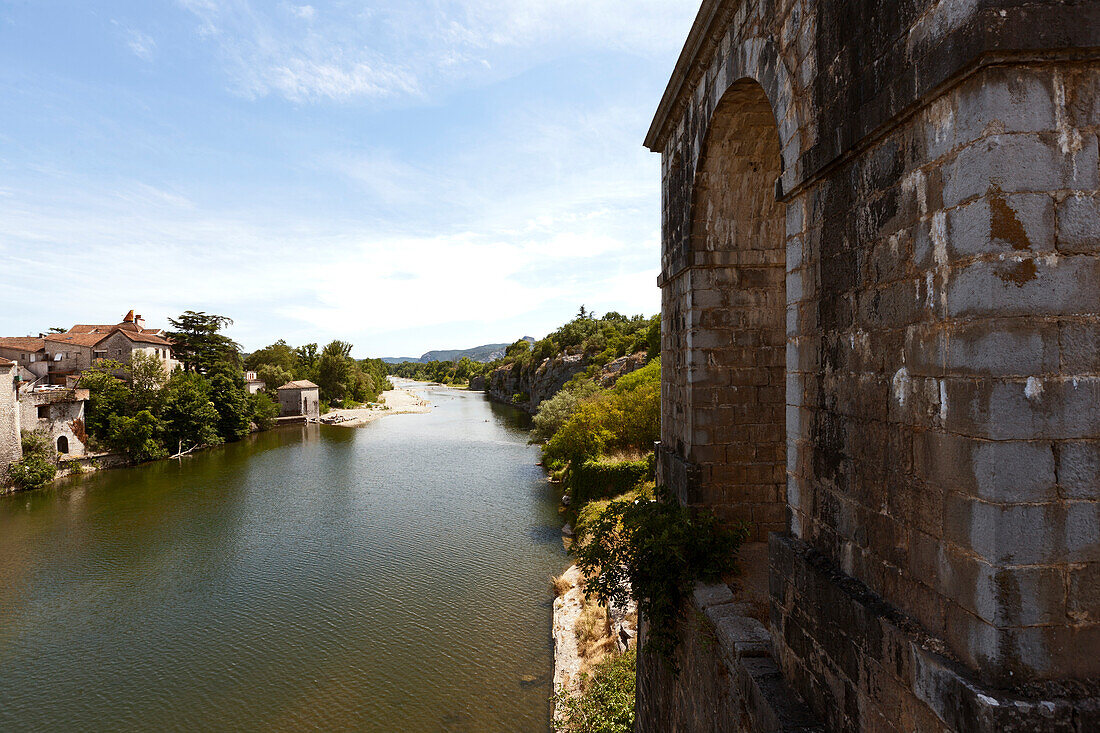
(278,354)
(147,377)
(108,396)
(307,355)
(264,411)
(231,400)
(273,376)
(189,416)
(139,437)
(199,343)
(334,371)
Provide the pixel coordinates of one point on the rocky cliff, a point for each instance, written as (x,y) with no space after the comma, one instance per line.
(527,386)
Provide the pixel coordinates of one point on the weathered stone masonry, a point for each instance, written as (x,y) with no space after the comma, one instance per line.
(881,324)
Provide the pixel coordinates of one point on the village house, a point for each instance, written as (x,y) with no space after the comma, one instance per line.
(300,399)
(58,413)
(28,352)
(62,357)
(11,446)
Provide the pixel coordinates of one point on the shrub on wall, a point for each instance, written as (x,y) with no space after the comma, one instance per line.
(38,466)
(604,479)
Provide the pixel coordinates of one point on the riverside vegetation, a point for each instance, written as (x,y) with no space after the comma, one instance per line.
(631,538)
(140,411)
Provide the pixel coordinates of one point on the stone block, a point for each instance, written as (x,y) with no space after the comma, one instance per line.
(1008,347)
(1079,224)
(1024,286)
(1019,163)
(996,223)
(1079,469)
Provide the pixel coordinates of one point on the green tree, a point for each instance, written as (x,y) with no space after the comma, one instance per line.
(108,396)
(231,400)
(273,376)
(147,377)
(189,415)
(264,411)
(139,437)
(335,373)
(307,356)
(279,354)
(199,343)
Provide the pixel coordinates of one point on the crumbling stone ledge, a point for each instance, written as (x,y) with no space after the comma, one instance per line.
(869,633)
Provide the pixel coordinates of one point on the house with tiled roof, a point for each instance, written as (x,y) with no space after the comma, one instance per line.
(28,352)
(69,354)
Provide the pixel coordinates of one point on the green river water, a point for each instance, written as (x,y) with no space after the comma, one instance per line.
(388,578)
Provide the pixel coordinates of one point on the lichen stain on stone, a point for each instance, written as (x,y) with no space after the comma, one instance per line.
(1019,274)
(1004,224)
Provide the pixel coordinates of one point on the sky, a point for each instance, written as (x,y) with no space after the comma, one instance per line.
(404,175)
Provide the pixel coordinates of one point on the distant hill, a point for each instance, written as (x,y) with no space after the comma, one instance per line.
(484,354)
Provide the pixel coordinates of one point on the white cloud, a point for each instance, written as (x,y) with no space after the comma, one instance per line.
(418,47)
(141,44)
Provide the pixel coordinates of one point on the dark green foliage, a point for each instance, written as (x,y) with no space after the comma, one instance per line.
(107,396)
(264,411)
(231,400)
(139,437)
(606,703)
(444,372)
(273,376)
(199,344)
(280,354)
(656,551)
(343,380)
(592,480)
(190,417)
(38,466)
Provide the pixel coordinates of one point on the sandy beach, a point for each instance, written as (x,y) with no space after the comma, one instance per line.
(396,402)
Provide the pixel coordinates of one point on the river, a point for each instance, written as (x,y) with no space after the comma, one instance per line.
(386,578)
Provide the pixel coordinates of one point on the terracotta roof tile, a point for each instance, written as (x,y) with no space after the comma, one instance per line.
(26,343)
(300,384)
(77,339)
(5,362)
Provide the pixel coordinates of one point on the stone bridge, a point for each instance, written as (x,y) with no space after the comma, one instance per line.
(881,346)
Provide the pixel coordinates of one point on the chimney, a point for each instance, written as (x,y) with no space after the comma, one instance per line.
(129,317)
(139,321)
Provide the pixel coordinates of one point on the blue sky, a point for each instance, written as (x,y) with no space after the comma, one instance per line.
(404,175)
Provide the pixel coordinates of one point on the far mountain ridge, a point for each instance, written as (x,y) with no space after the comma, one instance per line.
(484,354)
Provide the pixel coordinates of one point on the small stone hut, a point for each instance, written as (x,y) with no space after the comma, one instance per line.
(300,399)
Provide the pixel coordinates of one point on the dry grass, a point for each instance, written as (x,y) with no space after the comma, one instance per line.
(593,630)
(560,585)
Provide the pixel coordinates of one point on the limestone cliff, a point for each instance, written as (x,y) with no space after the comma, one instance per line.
(526,386)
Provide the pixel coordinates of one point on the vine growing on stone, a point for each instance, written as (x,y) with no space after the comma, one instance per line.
(656,551)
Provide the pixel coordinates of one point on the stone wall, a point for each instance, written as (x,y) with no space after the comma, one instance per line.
(63,417)
(11,446)
(926,175)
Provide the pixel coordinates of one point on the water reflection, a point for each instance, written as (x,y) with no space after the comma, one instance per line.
(388,578)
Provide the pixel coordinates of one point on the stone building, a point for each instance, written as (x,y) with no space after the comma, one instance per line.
(880,280)
(75,351)
(300,399)
(253,383)
(59,413)
(28,352)
(11,444)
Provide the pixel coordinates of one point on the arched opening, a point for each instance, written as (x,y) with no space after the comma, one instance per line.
(63,445)
(737,334)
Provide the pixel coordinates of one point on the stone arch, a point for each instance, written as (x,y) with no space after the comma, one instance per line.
(737,330)
(63,445)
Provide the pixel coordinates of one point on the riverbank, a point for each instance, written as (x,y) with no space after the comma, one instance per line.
(398,401)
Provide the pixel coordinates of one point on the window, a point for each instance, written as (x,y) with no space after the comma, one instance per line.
(43,412)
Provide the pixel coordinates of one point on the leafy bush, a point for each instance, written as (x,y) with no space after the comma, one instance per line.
(190,417)
(554,412)
(655,551)
(38,466)
(606,703)
(604,479)
(626,417)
